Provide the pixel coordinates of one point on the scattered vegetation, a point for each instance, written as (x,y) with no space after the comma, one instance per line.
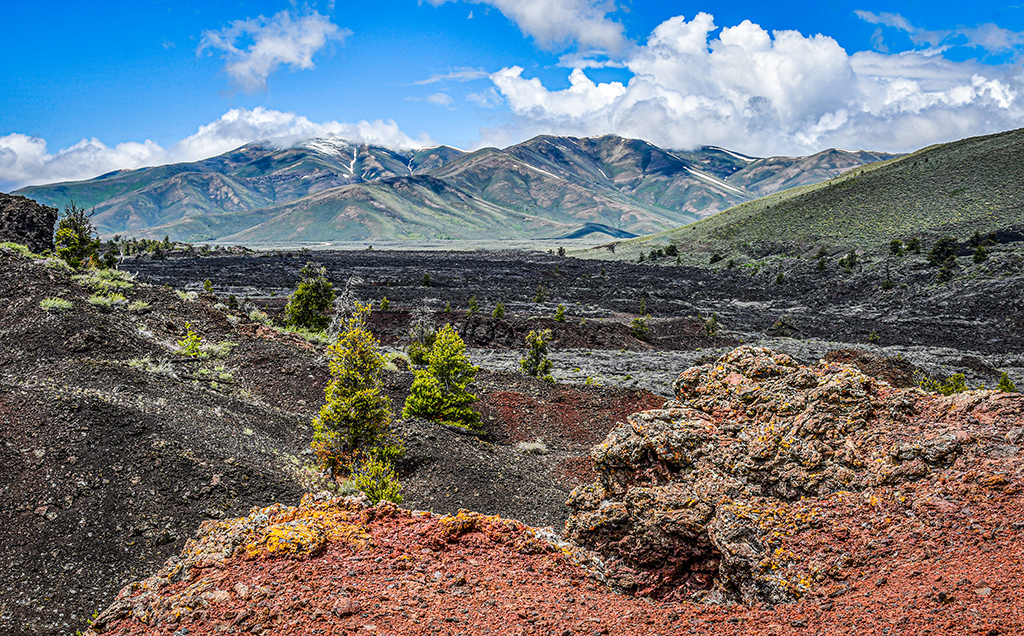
(312,301)
(260,316)
(439,393)
(536,362)
(18,248)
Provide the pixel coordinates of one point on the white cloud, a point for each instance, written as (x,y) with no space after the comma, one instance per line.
(457,75)
(25,160)
(254,49)
(770,93)
(488,98)
(988,37)
(554,23)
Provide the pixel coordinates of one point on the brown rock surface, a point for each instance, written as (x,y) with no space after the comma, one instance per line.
(26,222)
(692,500)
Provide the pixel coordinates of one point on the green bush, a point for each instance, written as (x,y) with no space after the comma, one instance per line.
(896,247)
(106,301)
(536,362)
(781,278)
(356,416)
(208,286)
(439,392)
(980,254)
(426,280)
(499,310)
(474,306)
(376,477)
(914,245)
(849,261)
(1005,385)
(190,343)
(311,302)
(542,294)
(54,304)
(385,304)
(560,313)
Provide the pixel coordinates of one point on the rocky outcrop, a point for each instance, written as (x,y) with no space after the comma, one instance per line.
(691,499)
(26,222)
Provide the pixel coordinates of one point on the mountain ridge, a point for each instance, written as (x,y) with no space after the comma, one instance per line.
(545,187)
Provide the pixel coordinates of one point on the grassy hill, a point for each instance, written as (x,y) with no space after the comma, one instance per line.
(952,189)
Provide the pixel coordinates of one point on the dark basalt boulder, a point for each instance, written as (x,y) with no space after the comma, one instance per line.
(26,222)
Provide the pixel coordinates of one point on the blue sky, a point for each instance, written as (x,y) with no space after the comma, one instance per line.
(88,87)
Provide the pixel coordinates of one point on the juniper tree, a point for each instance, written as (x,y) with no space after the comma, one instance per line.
(311,302)
(439,393)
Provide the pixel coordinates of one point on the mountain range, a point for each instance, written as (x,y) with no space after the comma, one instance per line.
(331,189)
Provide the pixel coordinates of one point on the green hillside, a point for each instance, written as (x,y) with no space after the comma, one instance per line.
(952,189)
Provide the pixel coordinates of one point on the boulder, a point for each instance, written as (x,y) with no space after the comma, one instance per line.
(26,222)
(690,498)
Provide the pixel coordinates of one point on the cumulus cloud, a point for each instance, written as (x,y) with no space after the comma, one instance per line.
(770,93)
(254,49)
(26,160)
(556,22)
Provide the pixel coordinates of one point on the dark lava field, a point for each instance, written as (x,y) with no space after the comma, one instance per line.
(972,324)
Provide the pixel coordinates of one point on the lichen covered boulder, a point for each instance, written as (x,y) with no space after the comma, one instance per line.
(692,499)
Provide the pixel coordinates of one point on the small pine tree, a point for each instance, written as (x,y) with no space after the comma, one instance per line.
(421,338)
(499,310)
(542,294)
(385,304)
(448,308)
(560,313)
(561,251)
(474,306)
(208,286)
(536,362)
(821,264)
(1005,384)
(980,255)
(439,392)
(311,301)
(357,414)
(711,326)
(426,280)
(896,247)
(942,251)
(914,245)
(639,328)
(781,278)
